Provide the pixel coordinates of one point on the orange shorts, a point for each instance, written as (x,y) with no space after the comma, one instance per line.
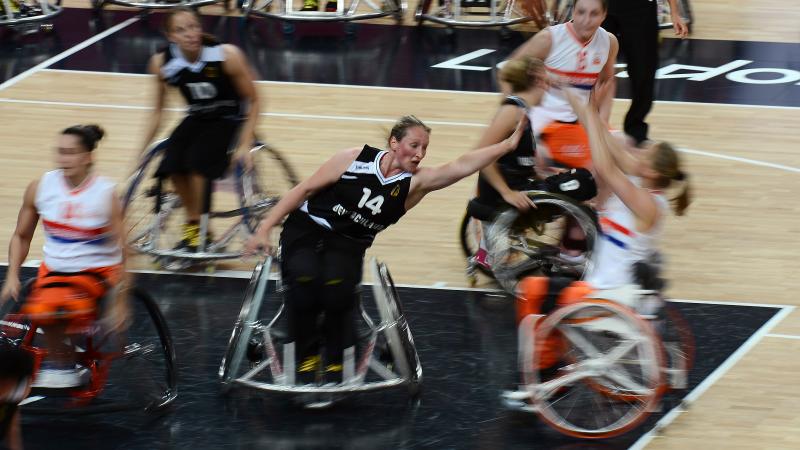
(568,144)
(56,296)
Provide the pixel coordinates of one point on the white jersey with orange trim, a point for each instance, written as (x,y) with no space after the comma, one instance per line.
(576,63)
(620,246)
(77,223)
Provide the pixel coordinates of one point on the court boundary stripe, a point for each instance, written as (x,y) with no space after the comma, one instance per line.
(384,120)
(718,373)
(67,53)
(405,89)
(784,336)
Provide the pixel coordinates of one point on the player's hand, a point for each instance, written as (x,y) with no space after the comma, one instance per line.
(245,157)
(519,200)
(680,27)
(10,290)
(259,242)
(513,141)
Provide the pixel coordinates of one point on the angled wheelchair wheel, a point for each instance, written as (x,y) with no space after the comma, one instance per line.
(143,226)
(246,323)
(679,346)
(608,375)
(549,12)
(556,237)
(395,327)
(470,236)
(272,177)
(134,371)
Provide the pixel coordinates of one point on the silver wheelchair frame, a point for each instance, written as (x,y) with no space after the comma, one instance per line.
(32,23)
(277,373)
(472,13)
(144,4)
(344,12)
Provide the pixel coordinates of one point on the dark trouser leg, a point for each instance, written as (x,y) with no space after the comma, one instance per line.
(640,46)
(301,273)
(341,277)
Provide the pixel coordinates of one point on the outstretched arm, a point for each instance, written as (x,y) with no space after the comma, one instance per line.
(501,127)
(20,243)
(154,122)
(428,180)
(326,175)
(638,200)
(241,74)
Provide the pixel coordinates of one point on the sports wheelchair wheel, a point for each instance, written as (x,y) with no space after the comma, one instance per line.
(533,242)
(154,215)
(609,375)
(134,371)
(246,323)
(395,327)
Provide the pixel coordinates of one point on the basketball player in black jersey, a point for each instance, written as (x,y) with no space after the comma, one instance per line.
(16,369)
(217,83)
(333,217)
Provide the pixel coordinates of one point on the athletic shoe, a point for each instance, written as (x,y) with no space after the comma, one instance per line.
(307,370)
(310,5)
(60,378)
(331,6)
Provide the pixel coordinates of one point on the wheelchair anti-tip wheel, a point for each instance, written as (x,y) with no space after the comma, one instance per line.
(608,375)
(134,371)
(555,238)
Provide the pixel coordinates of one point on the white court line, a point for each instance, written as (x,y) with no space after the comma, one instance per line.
(711,379)
(784,336)
(405,89)
(382,120)
(43,65)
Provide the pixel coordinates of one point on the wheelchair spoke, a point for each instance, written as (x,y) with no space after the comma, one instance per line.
(580,342)
(621,350)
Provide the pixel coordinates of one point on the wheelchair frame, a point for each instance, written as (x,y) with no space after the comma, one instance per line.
(392,325)
(144,4)
(343,13)
(29,24)
(93,358)
(250,208)
(459,12)
(666,368)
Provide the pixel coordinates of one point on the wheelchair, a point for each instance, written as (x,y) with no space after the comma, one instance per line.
(29,16)
(152,4)
(619,351)
(152,212)
(259,357)
(520,244)
(136,371)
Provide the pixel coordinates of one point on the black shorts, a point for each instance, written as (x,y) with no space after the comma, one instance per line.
(200,146)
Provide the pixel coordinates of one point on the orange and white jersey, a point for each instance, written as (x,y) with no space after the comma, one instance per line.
(577,64)
(620,246)
(77,223)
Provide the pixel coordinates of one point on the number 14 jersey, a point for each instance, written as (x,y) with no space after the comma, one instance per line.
(362,202)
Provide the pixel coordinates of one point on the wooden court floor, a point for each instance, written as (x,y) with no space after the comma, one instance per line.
(738,243)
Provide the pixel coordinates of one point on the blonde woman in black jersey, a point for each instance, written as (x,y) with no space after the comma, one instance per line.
(333,217)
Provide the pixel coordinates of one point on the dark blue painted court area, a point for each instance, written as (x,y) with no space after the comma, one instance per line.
(728,72)
(466,342)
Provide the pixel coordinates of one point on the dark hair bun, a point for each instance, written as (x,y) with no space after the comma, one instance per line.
(94,131)
(88,134)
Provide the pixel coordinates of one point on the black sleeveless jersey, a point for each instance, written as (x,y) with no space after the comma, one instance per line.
(362,202)
(516,166)
(209,92)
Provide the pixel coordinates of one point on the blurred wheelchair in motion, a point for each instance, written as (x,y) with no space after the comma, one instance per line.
(133,370)
(259,355)
(555,237)
(600,362)
(153,212)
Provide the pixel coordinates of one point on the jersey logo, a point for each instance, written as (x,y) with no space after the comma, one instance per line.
(211,71)
(202,90)
(596,60)
(396,191)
